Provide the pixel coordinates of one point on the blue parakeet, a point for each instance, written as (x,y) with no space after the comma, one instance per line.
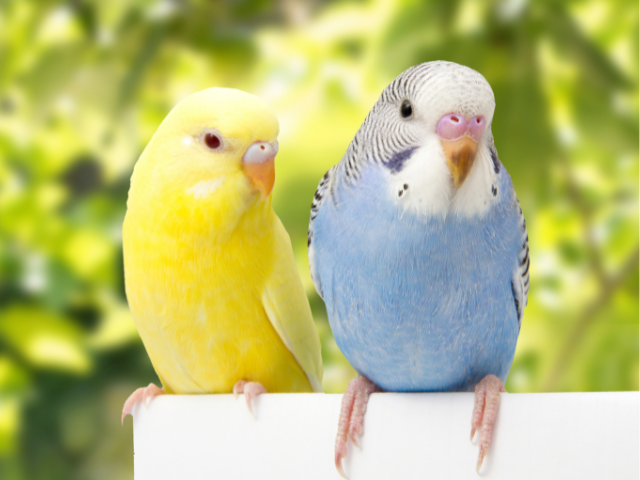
(419,248)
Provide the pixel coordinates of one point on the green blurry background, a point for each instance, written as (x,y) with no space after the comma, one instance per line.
(84,84)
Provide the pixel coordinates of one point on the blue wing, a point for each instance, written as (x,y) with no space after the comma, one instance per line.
(321,194)
(520,280)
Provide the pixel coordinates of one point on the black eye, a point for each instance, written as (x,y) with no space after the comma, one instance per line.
(211,140)
(405,109)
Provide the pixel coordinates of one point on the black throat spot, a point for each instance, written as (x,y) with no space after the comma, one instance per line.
(397,161)
(494,159)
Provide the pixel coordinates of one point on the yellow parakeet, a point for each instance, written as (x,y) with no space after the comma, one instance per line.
(209,271)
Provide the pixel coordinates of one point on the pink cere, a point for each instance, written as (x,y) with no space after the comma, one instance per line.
(476,127)
(454,126)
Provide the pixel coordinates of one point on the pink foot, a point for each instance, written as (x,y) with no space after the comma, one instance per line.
(485,412)
(250,390)
(140,394)
(351,424)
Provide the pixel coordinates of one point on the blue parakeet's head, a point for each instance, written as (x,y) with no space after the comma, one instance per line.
(431,127)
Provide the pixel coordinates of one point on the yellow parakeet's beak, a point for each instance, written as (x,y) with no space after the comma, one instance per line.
(258,164)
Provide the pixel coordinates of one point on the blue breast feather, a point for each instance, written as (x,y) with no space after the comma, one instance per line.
(418,303)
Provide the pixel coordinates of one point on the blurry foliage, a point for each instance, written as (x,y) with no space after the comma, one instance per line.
(84,84)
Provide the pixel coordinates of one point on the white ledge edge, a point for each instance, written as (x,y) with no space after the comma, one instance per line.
(422,436)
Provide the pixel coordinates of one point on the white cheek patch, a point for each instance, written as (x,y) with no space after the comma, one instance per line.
(205,188)
(424,185)
(187,141)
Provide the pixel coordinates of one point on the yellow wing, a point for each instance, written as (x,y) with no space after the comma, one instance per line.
(288,309)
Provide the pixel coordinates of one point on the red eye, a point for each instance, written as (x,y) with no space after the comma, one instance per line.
(211,141)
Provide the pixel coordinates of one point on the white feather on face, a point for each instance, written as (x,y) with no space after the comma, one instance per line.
(205,188)
(446,88)
(421,189)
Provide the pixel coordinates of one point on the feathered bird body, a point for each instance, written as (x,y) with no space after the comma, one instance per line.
(421,256)
(426,309)
(209,270)
(204,325)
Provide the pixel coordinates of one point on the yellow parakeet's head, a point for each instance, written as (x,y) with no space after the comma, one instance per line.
(211,159)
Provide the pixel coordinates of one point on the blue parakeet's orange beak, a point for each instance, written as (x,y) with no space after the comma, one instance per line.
(459,139)
(258,164)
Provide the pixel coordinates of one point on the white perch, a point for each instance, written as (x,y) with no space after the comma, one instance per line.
(407,436)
